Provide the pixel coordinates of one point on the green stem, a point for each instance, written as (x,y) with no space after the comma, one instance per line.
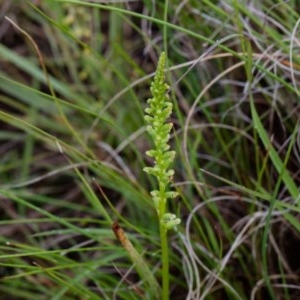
(165,261)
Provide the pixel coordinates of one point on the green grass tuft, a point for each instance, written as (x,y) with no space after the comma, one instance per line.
(74,84)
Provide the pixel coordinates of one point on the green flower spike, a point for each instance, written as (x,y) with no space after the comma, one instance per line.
(159,110)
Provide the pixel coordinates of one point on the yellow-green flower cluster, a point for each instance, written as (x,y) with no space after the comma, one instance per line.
(159,110)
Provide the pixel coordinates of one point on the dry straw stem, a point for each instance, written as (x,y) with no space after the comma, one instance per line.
(141,266)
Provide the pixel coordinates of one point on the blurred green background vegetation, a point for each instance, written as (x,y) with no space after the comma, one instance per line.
(74,80)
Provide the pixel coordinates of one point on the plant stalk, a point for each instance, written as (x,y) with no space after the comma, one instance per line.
(165,261)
